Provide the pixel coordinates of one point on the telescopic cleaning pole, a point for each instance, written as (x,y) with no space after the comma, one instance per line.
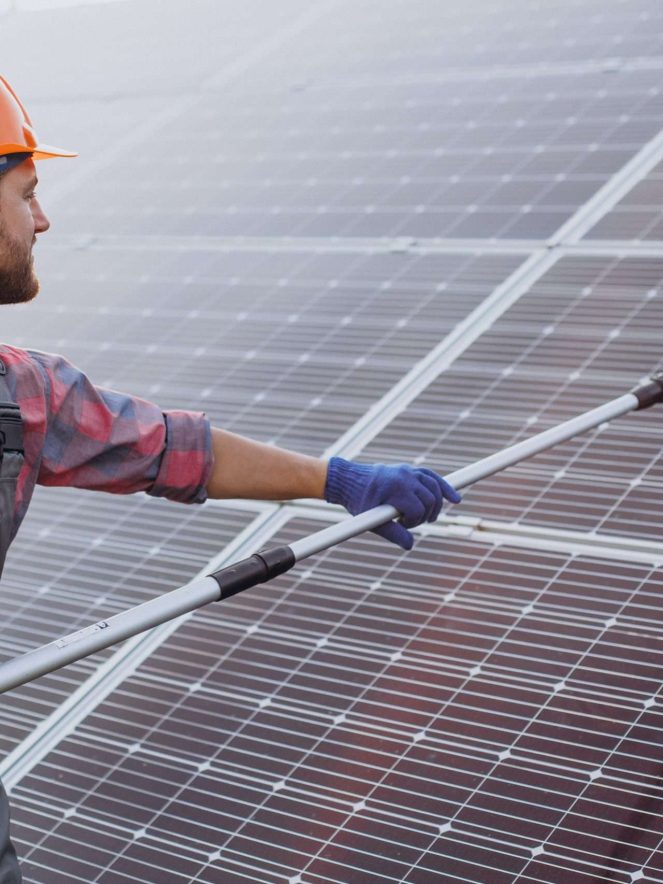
(269,563)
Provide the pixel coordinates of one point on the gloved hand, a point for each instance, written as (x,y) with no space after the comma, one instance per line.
(416,492)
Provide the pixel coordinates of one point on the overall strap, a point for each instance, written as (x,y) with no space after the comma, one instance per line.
(11,435)
(11,460)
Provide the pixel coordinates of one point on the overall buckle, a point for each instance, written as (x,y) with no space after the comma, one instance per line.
(11,428)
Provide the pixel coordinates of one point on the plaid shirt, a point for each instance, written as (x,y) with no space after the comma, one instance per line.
(77,434)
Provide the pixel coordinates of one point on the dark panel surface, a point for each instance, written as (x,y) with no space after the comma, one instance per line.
(286,346)
(465,713)
(454,121)
(587,332)
(82,557)
(503,157)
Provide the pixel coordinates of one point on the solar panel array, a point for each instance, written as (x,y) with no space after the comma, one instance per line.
(587,328)
(502,158)
(479,716)
(286,346)
(384,241)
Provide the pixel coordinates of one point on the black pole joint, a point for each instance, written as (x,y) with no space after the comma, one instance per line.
(650,393)
(258,568)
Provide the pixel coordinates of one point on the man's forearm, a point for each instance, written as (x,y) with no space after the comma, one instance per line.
(247,469)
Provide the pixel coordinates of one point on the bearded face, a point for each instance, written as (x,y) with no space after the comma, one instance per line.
(18,281)
(21,219)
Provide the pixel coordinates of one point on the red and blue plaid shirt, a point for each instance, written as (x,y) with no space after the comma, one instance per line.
(77,434)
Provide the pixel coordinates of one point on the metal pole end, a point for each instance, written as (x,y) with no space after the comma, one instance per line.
(650,393)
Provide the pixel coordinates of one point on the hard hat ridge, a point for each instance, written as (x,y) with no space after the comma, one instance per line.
(17,134)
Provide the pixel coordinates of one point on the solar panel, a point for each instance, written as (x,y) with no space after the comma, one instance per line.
(414,160)
(461,713)
(289,346)
(480,39)
(586,332)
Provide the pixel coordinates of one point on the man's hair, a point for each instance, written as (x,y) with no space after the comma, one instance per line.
(8,161)
(3,175)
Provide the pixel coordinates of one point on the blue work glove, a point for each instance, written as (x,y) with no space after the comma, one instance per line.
(416,492)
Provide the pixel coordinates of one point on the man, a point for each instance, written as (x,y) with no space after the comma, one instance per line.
(57,428)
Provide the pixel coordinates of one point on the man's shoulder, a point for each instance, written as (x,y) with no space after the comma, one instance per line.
(19,356)
(13,355)
(24,366)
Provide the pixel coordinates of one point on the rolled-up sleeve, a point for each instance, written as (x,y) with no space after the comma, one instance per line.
(186,462)
(108,441)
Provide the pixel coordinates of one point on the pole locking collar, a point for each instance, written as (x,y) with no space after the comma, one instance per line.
(650,393)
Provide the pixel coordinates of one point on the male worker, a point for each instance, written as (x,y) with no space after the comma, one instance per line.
(56,428)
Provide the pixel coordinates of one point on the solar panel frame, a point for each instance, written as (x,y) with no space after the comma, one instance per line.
(637,217)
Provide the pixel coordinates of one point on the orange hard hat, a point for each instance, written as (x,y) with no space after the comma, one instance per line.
(16,132)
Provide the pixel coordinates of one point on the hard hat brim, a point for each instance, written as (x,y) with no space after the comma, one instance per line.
(45,152)
(40,152)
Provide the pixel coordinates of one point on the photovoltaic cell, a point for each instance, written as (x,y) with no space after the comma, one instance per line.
(462,713)
(584,334)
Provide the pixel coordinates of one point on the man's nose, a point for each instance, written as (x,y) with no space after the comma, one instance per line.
(41,221)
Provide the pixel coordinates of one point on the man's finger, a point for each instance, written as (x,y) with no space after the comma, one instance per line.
(435,496)
(448,491)
(396,533)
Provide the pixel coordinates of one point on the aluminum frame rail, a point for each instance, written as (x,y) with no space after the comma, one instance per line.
(269,563)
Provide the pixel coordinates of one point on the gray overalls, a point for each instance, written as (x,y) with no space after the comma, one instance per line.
(11,461)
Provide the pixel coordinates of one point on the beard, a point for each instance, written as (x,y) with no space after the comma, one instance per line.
(18,282)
